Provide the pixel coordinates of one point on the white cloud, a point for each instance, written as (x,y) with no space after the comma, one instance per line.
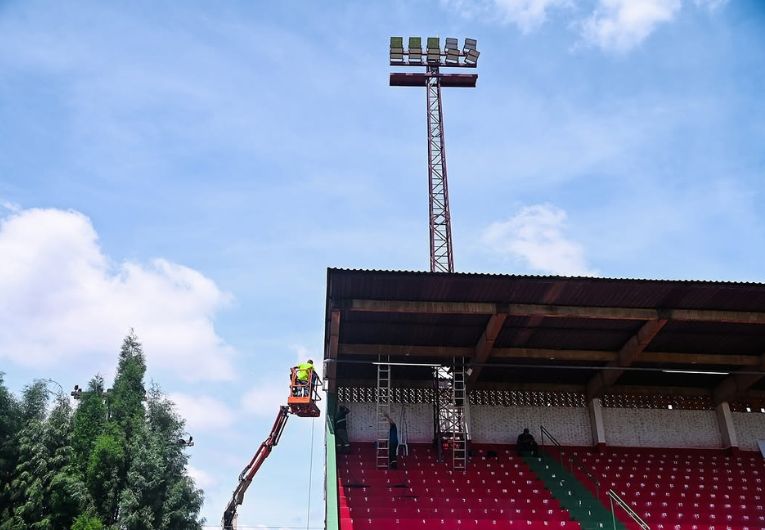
(62,300)
(265,398)
(201,478)
(613,25)
(620,25)
(536,236)
(527,15)
(10,206)
(203,412)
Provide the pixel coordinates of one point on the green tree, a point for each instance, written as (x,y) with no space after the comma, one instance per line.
(159,494)
(141,500)
(27,486)
(87,522)
(113,463)
(128,392)
(47,494)
(181,500)
(104,475)
(89,422)
(10,424)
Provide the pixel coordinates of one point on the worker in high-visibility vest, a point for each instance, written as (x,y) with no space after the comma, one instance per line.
(306,371)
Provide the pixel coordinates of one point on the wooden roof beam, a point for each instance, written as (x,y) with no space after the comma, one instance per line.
(405,351)
(736,385)
(597,356)
(601,381)
(333,346)
(485,345)
(551,310)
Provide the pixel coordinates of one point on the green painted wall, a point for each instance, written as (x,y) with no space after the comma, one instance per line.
(331,510)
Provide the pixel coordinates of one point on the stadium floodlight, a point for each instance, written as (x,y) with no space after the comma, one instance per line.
(415,50)
(433,80)
(434,50)
(470,52)
(397,49)
(452,51)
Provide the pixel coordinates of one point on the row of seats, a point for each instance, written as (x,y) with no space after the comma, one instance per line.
(453,524)
(681,489)
(453,513)
(497,492)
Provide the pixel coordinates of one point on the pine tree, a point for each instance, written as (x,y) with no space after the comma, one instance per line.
(159,493)
(87,522)
(104,475)
(181,500)
(141,500)
(128,392)
(65,493)
(47,494)
(115,463)
(26,487)
(10,424)
(89,422)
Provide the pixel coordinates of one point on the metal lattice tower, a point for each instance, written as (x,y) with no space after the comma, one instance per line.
(450,412)
(441,255)
(384,398)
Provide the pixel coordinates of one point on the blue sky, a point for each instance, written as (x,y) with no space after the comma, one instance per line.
(190,169)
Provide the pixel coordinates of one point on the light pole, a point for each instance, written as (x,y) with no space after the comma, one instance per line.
(435,58)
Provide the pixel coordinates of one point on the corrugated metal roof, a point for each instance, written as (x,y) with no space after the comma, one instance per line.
(577,291)
(407,329)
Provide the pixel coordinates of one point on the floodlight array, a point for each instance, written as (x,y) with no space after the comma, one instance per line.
(433,55)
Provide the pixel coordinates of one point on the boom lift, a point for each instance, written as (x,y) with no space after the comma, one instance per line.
(302,403)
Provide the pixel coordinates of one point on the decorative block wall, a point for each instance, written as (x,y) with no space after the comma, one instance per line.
(661,428)
(750,427)
(569,425)
(416,419)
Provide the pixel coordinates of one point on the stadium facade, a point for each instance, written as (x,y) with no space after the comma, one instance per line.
(646,396)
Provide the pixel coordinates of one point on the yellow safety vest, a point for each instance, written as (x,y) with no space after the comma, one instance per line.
(303,369)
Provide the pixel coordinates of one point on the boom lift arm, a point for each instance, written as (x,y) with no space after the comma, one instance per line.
(247,474)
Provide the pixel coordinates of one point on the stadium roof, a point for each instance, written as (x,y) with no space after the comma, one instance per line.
(593,333)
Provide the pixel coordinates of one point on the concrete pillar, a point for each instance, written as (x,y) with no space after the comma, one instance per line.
(727,428)
(596,423)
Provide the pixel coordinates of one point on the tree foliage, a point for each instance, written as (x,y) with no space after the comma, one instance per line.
(112,464)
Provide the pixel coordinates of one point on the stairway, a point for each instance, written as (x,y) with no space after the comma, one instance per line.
(583,506)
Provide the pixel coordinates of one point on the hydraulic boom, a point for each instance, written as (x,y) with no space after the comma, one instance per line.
(245,477)
(301,402)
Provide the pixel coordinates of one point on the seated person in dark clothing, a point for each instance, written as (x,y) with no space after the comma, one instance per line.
(526,444)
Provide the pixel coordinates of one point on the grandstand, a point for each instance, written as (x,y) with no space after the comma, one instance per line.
(646,395)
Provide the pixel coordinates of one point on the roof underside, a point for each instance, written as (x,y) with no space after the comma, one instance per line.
(546,329)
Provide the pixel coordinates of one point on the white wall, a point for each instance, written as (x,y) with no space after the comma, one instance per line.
(750,427)
(661,428)
(569,425)
(417,420)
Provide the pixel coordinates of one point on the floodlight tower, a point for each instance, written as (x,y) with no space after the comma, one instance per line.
(441,258)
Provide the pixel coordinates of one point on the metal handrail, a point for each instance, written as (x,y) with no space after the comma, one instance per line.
(612,496)
(573,462)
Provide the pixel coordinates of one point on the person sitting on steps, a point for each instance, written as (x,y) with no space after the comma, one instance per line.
(526,444)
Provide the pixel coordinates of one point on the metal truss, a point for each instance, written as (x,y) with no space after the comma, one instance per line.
(441,257)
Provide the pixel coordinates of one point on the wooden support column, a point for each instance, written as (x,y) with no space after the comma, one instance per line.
(595,408)
(727,427)
(330,367)
(626,356)
(485,345)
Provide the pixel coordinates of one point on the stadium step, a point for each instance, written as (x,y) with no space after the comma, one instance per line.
(574,496)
